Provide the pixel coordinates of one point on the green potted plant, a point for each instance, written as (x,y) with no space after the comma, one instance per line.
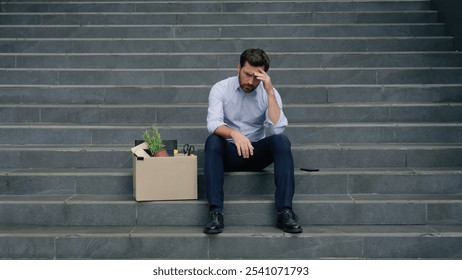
(156,147)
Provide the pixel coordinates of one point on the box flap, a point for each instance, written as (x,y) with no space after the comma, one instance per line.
(138,151)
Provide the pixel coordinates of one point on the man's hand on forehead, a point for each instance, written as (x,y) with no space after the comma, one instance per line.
(265,78)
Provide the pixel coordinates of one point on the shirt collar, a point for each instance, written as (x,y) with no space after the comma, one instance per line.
(236,83)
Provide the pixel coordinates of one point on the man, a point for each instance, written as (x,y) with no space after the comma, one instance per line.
(240,108)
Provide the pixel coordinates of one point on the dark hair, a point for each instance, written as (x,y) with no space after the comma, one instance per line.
(255,57)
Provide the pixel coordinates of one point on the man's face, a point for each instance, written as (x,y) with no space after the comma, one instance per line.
(247,80)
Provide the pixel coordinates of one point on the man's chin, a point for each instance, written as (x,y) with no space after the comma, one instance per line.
(247,89)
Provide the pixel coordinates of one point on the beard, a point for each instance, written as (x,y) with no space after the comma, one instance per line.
(247,87)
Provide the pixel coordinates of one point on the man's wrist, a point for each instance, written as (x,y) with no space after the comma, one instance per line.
(270,92)
(233,133)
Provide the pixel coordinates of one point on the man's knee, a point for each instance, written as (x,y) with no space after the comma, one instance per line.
(214,143)
(281,142)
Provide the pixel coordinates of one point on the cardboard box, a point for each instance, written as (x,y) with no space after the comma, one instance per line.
(163,178)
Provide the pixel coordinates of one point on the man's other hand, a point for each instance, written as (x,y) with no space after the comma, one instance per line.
(243,145)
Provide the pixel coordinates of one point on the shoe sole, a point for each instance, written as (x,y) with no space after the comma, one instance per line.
(213,231)
(290,230)
(293,230)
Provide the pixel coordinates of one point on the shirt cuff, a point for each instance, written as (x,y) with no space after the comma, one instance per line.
(279,127)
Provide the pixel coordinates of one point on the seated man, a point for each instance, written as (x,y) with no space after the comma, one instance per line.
(240,108)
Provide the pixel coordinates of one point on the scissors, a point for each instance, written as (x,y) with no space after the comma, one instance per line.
(188,149)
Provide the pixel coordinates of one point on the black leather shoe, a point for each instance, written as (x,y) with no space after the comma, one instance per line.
(215,223)
(288,221)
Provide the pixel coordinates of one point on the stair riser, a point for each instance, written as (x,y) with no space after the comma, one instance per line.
(379,158)
(240,184)
(316,158)
(110,95)
(375,135)
(237,213)
(298,135)
(199,94)
(165,61)
(390,94)
(61,214)
(118,184)
(217,7)
(197,115)
(217,18)
(227,45)
(201,77)
(223,31)
(335,247)
(373,114)
(229,247)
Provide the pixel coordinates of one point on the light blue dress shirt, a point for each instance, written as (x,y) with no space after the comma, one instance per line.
(247,112)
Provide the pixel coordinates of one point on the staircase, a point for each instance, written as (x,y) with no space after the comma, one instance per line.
(372,90)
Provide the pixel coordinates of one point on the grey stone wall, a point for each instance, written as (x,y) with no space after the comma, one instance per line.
(450,11)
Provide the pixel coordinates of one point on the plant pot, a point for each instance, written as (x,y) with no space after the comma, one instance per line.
(161,153)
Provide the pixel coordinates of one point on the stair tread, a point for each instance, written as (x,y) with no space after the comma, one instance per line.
(199,146)
(295,147)
(324,171)
(253,231)
(239,199)
(204,105)
(140,125)
(298,38)
(210,13)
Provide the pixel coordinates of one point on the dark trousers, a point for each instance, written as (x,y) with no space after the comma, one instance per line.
(221,156)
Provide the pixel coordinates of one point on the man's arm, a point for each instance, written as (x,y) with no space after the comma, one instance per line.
(274,112)
(243,145)
(216,125)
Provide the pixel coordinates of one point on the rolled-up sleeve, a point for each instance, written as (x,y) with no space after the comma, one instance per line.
(215,114)
(282,123)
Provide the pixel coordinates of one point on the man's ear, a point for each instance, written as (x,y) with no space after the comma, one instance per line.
(238,67)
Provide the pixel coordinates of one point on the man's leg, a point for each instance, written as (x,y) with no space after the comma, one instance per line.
(220,156)
(214,171)
(277,149)
(283,171)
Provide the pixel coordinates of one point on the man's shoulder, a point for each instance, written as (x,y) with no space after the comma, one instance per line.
(228,81)
(225,85)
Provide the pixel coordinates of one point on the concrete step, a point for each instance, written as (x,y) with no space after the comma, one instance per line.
(303,133)
(237,242)
(183,18)
(222,31)
(99,181)
(213,6)
(318,115)
(220,60)
(198,45)
(379,155)
(116,210)
(193,77)
(180,95)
